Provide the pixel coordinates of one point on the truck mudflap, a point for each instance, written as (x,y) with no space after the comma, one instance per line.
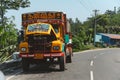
(44,55)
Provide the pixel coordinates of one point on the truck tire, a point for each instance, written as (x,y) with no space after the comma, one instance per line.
(69,59)
(25,64)
(62,63)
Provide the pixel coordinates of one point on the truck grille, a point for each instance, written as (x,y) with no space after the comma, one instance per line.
(39,43)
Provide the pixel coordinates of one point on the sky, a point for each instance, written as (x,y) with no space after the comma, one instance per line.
(81,9)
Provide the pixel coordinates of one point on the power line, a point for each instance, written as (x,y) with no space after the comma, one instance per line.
(84,6)
(89,4)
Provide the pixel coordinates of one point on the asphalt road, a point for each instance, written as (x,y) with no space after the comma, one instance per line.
(89,65)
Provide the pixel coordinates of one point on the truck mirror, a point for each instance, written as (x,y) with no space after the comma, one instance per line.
(20,36)
(22,33)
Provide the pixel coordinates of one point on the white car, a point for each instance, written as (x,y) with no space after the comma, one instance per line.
(2,77)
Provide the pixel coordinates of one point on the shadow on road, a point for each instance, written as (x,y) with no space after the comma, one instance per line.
(42,69)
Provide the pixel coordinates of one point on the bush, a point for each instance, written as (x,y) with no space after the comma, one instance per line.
(84,47)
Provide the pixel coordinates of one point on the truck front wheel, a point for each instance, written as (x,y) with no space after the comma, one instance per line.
(25,64)
(62,63)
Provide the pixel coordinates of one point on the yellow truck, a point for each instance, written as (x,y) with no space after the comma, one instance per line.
(46,39)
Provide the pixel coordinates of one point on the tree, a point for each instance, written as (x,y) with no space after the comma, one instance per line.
(118,10)
(110,12)
(102,20)
(11,5)
(76,27)
(8,32)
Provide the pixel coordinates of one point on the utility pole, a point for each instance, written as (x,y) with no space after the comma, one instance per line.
(95,12)
(115,10)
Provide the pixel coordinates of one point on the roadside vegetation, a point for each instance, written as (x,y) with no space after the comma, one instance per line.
(8,30)
(83,32)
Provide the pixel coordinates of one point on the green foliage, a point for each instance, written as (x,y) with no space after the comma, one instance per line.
(8,32)
(103,20)
(14,4)
(110,12)
(82,35)
(109,22)
(11,5)
(8,39)
(115,20)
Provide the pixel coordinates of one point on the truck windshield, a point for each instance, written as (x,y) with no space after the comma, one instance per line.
(38,27)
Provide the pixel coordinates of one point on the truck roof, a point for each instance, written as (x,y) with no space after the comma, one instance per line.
(44,12)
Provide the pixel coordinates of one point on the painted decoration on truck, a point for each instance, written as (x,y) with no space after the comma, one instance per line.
(45,15)
(35,17)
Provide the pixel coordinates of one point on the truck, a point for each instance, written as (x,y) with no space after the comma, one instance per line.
(46,39)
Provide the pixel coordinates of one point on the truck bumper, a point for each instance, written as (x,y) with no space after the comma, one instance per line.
(25,55)
(52,58)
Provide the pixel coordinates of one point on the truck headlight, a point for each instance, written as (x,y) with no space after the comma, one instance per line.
(23,49)
(56,47)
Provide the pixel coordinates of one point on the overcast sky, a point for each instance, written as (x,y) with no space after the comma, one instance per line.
(80,9)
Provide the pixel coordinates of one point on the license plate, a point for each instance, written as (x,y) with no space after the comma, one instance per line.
(38,56)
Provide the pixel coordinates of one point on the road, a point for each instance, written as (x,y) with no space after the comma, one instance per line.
(88,65)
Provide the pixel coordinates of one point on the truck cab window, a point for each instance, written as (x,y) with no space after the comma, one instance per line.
(30,28)
(56,28)
(38,27)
